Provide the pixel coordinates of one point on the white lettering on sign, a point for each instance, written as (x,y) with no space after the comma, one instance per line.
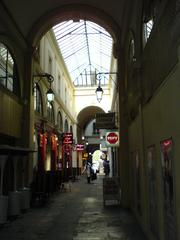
(112,138)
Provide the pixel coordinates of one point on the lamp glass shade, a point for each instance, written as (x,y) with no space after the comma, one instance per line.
(99,93)
(50,95)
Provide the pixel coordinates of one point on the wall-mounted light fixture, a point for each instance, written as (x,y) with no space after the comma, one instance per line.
(99,91)
(50,79)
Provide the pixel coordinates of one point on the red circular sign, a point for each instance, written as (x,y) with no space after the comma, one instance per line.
(112,138)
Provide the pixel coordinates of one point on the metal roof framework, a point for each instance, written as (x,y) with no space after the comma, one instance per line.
(87,51)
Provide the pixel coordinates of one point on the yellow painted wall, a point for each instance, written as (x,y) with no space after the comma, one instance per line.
(10,115)
(159,120)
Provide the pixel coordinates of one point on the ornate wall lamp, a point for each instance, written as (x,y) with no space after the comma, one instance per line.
(50,79)
(99,91)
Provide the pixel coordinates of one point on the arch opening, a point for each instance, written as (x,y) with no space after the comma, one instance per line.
(74,12)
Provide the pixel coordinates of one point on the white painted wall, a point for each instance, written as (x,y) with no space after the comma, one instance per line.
(85,97)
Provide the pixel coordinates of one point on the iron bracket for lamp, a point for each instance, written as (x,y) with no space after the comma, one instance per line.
(50,79)
(100,74)
(99,91)
(48,76)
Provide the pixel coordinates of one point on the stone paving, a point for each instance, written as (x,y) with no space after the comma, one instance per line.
(78,214)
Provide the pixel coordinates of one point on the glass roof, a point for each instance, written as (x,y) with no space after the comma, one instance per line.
(87,50)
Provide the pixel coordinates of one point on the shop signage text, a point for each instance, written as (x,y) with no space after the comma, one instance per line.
(67,138)
(112,138)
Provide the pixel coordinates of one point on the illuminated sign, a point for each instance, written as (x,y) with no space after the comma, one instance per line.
(79,147)
(67,138)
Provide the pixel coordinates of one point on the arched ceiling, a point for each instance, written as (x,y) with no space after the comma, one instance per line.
(27,14)
(87,114)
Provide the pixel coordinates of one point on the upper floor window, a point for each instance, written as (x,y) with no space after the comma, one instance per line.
(65,99)
(59,85)
(66,126)
(37,99)
(60,121)
(71,129)
(147,29)
(37,52)
(50,65)
(131,50)
(149,16)
(8,70)
(50,112)
(130,55)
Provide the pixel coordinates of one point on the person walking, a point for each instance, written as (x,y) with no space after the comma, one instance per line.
(93,172)
(87,169)
(106,167)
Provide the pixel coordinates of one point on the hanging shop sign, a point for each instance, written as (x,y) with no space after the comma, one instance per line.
(105,120)
(54,142)
(80,147)
(42,144)
(67,138)
(112,138)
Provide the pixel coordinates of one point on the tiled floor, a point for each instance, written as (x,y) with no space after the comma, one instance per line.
(78,214)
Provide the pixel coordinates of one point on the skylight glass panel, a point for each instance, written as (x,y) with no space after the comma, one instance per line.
(86,48)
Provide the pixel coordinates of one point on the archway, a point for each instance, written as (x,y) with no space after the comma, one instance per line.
(75,12)
(84,117)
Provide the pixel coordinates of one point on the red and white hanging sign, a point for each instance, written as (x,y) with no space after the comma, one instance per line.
(80,147)
(112,138)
